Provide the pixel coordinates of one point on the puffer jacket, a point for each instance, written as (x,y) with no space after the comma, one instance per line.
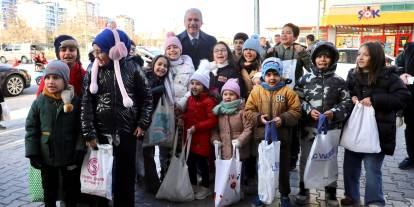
(387,97)
(323,90)
(236,126)
(52,134)
(199,113)
(283,103)
(182,70)
(103,114)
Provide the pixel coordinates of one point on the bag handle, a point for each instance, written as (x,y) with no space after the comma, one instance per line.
(185,150)
(236,153)
(322,124)
(175,141)
(217,151)
(271,131)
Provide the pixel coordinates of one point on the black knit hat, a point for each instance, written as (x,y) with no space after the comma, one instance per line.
(65,40)
(241,36)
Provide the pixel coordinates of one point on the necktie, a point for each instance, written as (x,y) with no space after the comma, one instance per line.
(194,41)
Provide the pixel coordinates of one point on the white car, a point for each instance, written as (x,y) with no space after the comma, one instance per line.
(147,53)
(347,61)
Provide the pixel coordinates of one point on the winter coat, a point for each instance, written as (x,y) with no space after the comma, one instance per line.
(230,127)
(406,65)
(157,87)
(283,103)
(202,51)
(182,71)
(219,77)
(103,114)
(248,76)
(387,97)
(52,134)
(199,113)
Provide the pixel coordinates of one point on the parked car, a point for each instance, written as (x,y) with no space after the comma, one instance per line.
(13,81)
(20,52)
(347,61)
(147,53)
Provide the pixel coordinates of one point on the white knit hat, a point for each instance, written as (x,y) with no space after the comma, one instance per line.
(202,74)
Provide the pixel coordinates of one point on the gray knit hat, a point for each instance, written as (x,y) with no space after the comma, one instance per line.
(58,67)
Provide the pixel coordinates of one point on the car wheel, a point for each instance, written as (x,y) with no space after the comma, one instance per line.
(3,60)
(14,85)
(38,80)
(24,60)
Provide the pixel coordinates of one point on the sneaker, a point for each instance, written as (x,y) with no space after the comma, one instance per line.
(202,193)
(302,198)
(330,199)
(285,202)
(195,188)
(407,163)
(257,202)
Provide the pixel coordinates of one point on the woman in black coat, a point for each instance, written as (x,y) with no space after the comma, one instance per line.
(373,84)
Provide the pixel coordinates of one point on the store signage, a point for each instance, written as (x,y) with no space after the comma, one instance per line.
(368,13)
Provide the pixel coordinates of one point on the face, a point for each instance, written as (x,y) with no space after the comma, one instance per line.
(287,37)
(277,39)
(250,55)
(54,83)
(192,23)
(173,52)
(229,96)
(101,57)
(272,78)
(262,41)
(323,62)
(238,45)
(161,67)
(196,87)
(220,54)
(68,55)
(363,58)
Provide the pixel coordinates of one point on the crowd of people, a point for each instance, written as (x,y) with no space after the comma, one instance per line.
(221,97)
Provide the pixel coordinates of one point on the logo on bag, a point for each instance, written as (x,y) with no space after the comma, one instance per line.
(275,167)
(93,166)
(324,156)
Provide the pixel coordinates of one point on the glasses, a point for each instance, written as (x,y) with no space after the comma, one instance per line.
(220,51)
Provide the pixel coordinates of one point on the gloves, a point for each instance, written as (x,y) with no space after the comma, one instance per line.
(235,143)
(216,142)
(36,162)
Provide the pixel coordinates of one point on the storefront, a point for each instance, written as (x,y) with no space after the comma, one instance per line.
(391,24)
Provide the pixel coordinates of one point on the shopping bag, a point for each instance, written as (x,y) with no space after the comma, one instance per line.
(35,185)
(322,166)
(268,164)
(176,185)
(96,172)
(161,130)
(360,132)
(5,112)
(228,175)
(289,69)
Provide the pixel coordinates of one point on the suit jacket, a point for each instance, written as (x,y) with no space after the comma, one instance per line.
(202,51)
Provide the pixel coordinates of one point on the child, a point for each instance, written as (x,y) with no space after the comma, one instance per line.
(250,61)
(199,118)
(373,84)
(273,100)
(233,127)
(321,92)
(238,42)
(53,143)
(223,68)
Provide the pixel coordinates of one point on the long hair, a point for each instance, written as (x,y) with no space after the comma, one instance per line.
(376,63)
(230,58)
(257,62)
(152,65)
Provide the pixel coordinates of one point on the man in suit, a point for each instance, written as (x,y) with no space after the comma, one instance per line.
(196,44)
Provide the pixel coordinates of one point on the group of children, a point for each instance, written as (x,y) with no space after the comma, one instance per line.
(228,102)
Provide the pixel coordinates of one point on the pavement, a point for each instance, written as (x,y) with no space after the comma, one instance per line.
(398,185)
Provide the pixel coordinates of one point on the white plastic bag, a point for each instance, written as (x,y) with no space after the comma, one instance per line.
(176,185)
(322,166)
(96,172)
(228,175)
(268,165)
(5,112)
(289,69)
(360,132)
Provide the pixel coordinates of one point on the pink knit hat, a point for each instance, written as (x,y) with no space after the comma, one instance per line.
(231,85)
(172,40)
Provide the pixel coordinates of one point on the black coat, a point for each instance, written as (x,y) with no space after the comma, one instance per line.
(157,87)
(225,73)
(387,96)
(202,51)
(104,114)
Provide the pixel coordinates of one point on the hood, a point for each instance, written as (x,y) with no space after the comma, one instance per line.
(322,45)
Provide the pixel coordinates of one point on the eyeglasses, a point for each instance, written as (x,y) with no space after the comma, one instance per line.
(220,51)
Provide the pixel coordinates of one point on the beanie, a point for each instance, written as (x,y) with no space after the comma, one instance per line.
(105,40)
(202,74)
(253,44)
(172,40)
(272,63)
(241,36)
(324,48)
(59,68)
(65,41)
(231,85)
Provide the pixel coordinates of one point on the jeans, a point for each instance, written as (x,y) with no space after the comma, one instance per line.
(352,173)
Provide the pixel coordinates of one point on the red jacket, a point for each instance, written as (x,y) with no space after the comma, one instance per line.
(75,79)
(199,114)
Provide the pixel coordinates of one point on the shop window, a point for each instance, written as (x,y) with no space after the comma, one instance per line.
(342,57)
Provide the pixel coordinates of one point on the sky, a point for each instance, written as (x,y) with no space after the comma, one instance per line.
(221,18)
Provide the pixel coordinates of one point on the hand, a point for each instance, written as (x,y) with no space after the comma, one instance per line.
(192,129)
(298,48)
(92,144)
(235,142)
(354,99)
(139,132)
(264,118)
(270,50)
(180,122)
(404,77)
(315,114)
(278,121)
(36,162)
(366,101)
(177,110)
(329,114)
(216,142)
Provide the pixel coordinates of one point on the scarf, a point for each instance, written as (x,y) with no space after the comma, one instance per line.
(253,66)
(55,96)
(215,66)
(179,61)
(227,108)
(273,88)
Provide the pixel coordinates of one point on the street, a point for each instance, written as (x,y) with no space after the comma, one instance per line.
(398,185)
